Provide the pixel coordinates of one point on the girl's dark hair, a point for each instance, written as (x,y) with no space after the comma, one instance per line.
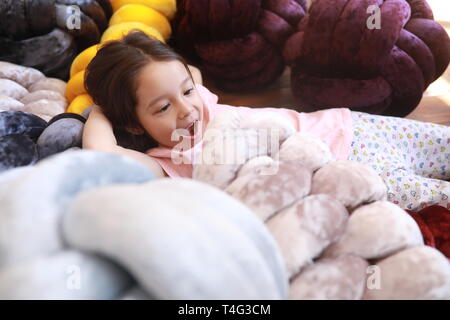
(111,80)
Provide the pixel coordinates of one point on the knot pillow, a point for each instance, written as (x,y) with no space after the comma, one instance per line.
(368,55)
(338,236)
(47,34)
(237,42)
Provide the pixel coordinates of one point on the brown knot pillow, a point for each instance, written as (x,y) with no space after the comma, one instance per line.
(237,42)
(340,58)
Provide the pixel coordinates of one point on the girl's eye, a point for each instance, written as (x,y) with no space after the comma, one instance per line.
(188,92)
(164,108)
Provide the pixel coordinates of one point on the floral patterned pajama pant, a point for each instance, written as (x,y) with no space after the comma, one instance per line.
(412,157)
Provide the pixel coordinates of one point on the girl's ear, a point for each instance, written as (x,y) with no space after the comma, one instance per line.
(136,131)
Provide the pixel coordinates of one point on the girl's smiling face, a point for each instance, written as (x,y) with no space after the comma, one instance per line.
(167,100)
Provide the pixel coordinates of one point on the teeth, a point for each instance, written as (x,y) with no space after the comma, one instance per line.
(191,128)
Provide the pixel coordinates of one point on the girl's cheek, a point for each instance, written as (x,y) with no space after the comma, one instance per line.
(200,105)
(195,96)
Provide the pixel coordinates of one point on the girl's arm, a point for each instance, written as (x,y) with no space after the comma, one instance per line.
(98,135)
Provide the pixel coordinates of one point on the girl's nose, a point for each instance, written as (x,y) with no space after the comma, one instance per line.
(185,110)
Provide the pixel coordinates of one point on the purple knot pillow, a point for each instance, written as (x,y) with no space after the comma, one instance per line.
(339,59)
(239,43)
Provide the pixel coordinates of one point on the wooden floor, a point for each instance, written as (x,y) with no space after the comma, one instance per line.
(434,107)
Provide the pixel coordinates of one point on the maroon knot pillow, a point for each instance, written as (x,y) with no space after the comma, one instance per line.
(238,43)
(434,223)
(338,61)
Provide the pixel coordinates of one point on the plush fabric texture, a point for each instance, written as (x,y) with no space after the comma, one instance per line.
(304,229)
(48,278)
(136,293)
(237,42)
(328,273)
(332,222)
(46,109)
(16,150)
(26,138)
(350,182)
(149,246)
(50,53)
(33,105)
(338,61)
(415,273)
(434,223)
(51,84)
(377,230)
(23,123)
(261,192)
(99,204)
(102,223)
(36,199)
(63,132)
(27,89)
(22,75)
(12,89)
(36,33)
(19,132)
(8,103)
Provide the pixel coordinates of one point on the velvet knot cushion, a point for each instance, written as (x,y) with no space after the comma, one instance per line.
(369,55)
(237,42)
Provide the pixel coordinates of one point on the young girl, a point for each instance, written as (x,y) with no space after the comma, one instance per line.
(145,92)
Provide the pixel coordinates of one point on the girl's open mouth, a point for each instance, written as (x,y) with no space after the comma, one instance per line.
(193,129)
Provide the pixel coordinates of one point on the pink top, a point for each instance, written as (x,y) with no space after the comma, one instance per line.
(332,126)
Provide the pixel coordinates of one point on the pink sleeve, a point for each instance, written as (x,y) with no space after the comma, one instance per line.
(332,126)
(174,170)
